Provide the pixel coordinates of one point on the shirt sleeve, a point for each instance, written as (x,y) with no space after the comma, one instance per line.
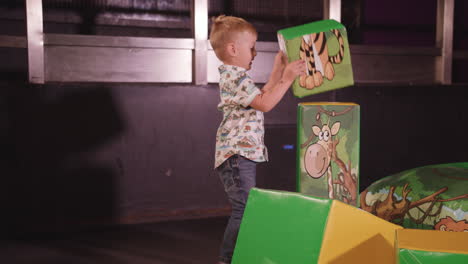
(246,90)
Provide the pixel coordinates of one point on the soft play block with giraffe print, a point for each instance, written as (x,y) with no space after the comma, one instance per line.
(324,46)
(328,150)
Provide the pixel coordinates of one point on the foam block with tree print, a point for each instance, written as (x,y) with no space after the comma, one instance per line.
(428,197)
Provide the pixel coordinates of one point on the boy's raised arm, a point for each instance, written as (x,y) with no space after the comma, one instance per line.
(276,87)
(278,67)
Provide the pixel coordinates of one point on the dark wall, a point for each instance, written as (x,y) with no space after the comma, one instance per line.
(118,153)
(403,127)
(128,153)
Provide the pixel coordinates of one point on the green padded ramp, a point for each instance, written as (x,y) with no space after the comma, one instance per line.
(281,227)
(408,256)
(291,228)
(415,246)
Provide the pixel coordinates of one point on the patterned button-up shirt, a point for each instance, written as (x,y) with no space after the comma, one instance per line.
(241,131)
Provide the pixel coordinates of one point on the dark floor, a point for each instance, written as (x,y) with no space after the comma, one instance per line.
(175,242)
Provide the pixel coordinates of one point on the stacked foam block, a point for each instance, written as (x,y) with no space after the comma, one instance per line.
(328,150)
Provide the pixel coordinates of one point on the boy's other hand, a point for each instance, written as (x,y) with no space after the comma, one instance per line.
(294,69)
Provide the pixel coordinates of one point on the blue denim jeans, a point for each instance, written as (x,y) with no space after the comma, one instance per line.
(238,176)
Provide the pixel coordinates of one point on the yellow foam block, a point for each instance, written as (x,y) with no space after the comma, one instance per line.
(432,240)
(355,236)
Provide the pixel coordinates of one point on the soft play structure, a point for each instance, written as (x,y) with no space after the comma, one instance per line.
(292,228)
(429,197)
(327,220)
(328,150)
(324,46)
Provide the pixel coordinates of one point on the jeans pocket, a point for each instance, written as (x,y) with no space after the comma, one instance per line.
(227,181)
(235,164)
(229,173)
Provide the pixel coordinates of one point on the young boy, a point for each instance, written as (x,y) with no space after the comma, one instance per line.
(239,140)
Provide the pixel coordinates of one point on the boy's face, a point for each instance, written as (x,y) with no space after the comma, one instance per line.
(245,45)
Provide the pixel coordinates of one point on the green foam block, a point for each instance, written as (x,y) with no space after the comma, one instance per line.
(281,227)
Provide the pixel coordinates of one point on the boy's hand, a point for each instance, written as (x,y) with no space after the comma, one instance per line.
(294,69)
(280,62)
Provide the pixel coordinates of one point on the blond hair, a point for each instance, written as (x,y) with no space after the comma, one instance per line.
(223,29)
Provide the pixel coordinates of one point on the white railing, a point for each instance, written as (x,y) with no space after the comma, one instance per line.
(79,58)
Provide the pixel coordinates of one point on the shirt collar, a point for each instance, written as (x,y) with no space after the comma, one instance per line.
(226,67)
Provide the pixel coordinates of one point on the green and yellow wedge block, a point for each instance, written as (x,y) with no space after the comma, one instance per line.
(292,228)
(284,228)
